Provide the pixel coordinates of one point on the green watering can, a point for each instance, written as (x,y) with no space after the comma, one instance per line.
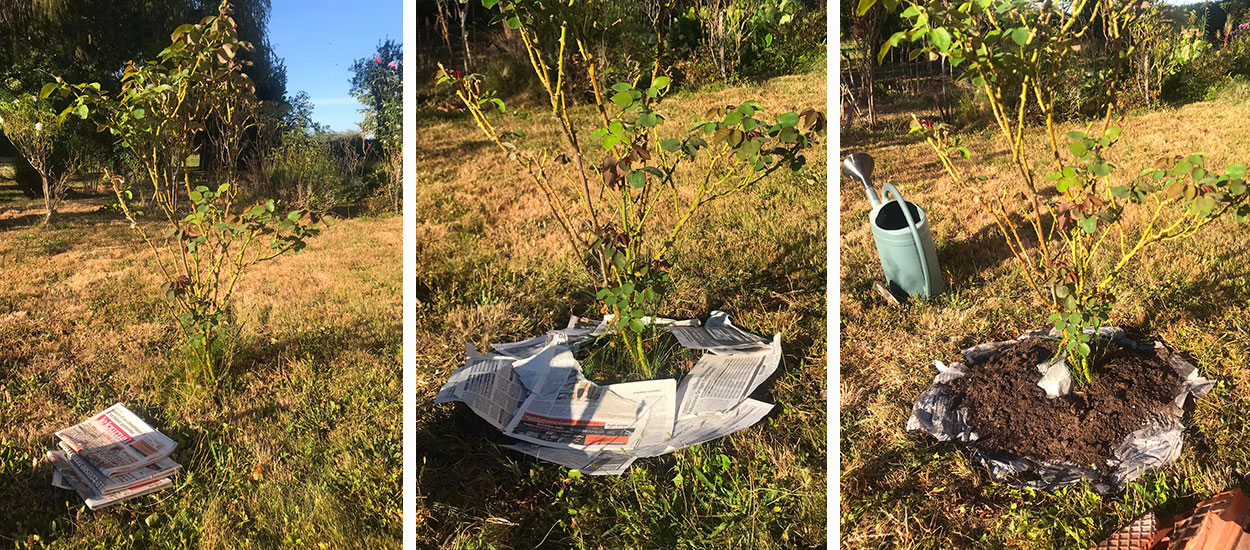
(901,231)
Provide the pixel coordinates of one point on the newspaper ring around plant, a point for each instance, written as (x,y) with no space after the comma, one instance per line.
(535,393)
(1157,443)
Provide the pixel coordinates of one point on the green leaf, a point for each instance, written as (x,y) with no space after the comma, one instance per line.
(513,22)
(1077,149)
(788,120)
(1235,171)
(863,7)
(893,41)
(138,114)
(670,145)
(621,87)
(635,325)
(940,38)
(488,4)
(47,90)
(637,179)
(662,82)
(1112,133)
(1182,167)
(623,99)
(1020,35)
(81,111)
(195,196)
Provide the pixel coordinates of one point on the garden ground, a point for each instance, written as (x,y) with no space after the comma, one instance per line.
(904,489)
(299,446)
(492,267)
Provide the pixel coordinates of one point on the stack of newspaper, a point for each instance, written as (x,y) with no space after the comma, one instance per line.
(534,392)
(112,457)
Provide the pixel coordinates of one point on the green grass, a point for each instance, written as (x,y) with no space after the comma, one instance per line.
(299,446)
(905,490)
(491,267)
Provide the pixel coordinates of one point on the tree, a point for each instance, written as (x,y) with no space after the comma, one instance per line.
(32,127)
(866,28)
(377,82)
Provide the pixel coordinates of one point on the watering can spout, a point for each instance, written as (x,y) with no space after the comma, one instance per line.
(859,166)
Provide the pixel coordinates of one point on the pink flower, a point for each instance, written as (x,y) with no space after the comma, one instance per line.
(377,59)
(392,64)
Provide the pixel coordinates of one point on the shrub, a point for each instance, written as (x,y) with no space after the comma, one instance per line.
(618,196)
(194,93)
(1210,68)
(1012,49)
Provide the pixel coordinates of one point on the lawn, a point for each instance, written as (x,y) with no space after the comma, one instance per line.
(906,490)
(492,267)
(300,445)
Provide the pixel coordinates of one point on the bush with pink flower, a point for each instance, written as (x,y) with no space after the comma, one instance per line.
(378,84)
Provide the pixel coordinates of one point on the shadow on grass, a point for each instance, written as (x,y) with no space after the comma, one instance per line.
(968,259)
(455,152)
(465,479)
(32,503)
(328,343)
(1222,291)
(78,219)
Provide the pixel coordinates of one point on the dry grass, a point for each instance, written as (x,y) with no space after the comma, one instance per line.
(491,266)
(298,446)
(904,490)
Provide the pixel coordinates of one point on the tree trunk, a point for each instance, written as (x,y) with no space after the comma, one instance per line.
(464,36)
(47,199)
(442,26)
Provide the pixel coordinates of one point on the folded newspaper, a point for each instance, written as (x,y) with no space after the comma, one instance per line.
(534,392)
(112,457)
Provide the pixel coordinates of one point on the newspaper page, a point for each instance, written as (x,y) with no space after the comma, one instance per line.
(659,401)
(100,484)
(717,383)
(524,348)
(701,429)
(65,476)
(593,463)
(716,336)
(580,328)
(573,459)
(533,369)
(608,463)
(567,410)
(488,385)
(117,441)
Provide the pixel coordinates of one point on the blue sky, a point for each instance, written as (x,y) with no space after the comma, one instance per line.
(319,40)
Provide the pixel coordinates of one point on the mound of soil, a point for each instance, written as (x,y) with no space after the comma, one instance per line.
(1011,413)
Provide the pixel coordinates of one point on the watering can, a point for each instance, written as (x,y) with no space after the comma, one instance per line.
(901,231)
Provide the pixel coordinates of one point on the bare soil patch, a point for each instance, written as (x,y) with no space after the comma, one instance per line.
(1011,413)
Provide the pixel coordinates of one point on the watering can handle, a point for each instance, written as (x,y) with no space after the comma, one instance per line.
(886,189)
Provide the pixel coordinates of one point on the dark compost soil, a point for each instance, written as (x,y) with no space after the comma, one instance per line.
(1011,413)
